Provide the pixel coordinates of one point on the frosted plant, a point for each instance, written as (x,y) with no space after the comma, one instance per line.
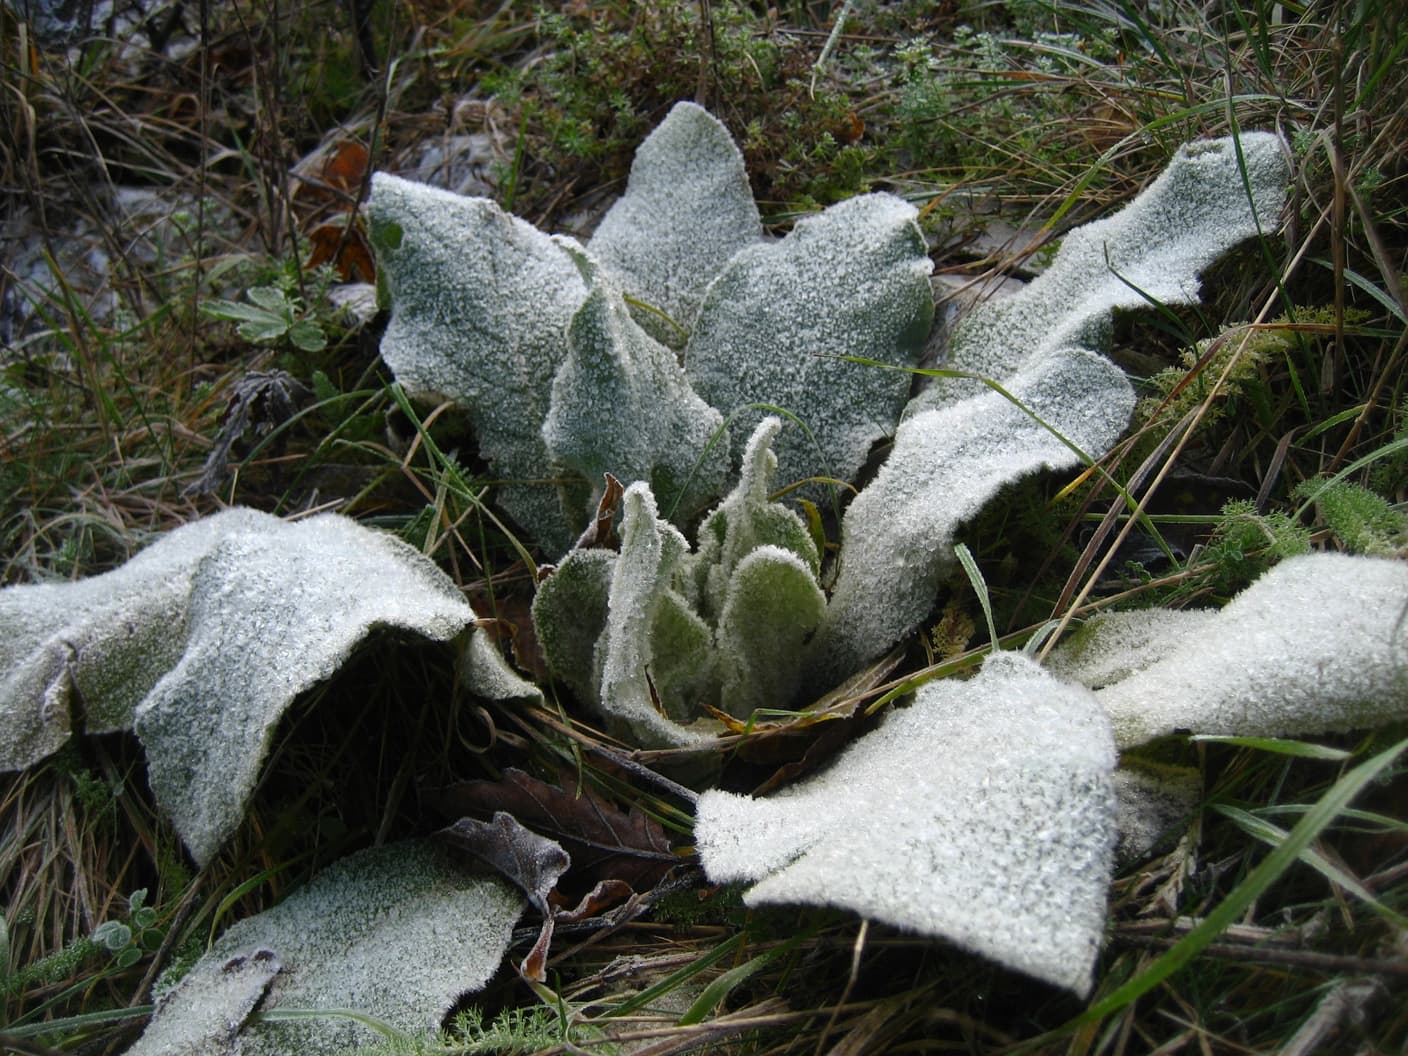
(565,390)
(1005,846)
(1053,401)
(657,636)
(202,641)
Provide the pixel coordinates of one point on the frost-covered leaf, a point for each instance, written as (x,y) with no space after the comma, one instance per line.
(686,211)
(650,550)
(897,536)
(961,442)
(1154,248)
(203,640)
(104,641)
(744,521)
(605,842)
(569,616)
(480,306)
(851,281)
(772,607)
(983,814)
(1318,643)
(396,933)
(205,1014)
(1113,645)
(621,406)
(1153,800)
(531,862)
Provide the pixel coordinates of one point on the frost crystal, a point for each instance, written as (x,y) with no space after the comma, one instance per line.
(983,814)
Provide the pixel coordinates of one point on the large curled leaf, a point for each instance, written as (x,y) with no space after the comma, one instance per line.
(395,933)
(1318,643)
(202,641)
(621,405)
(480,306)
(851,281)
(103,641)
(959,445)
(983,814)
(686,211)
(897,536)
(1150,251)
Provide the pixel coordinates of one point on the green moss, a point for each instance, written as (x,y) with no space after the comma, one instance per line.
(1360,519)
(1246,543)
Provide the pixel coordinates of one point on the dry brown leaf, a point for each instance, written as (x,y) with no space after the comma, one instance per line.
(605,842)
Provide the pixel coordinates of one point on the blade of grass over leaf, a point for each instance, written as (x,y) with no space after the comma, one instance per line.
(1234,905)
(1274,836)
(1279,745)
(980,588)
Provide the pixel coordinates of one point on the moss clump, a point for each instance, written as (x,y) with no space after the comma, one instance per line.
(1362,520)
(1246,543)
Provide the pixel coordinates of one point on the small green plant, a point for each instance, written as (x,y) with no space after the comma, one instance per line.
(131,939)
(513,1032)
(273,315)
(1245,543)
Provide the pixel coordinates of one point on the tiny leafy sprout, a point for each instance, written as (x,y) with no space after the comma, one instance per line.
(128,940)
(273,315)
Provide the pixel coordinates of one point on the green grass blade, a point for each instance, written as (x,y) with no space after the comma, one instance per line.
(664,986)
(980,588)
(1301,749)
(1306,831)
(724,984)
(1274,836)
